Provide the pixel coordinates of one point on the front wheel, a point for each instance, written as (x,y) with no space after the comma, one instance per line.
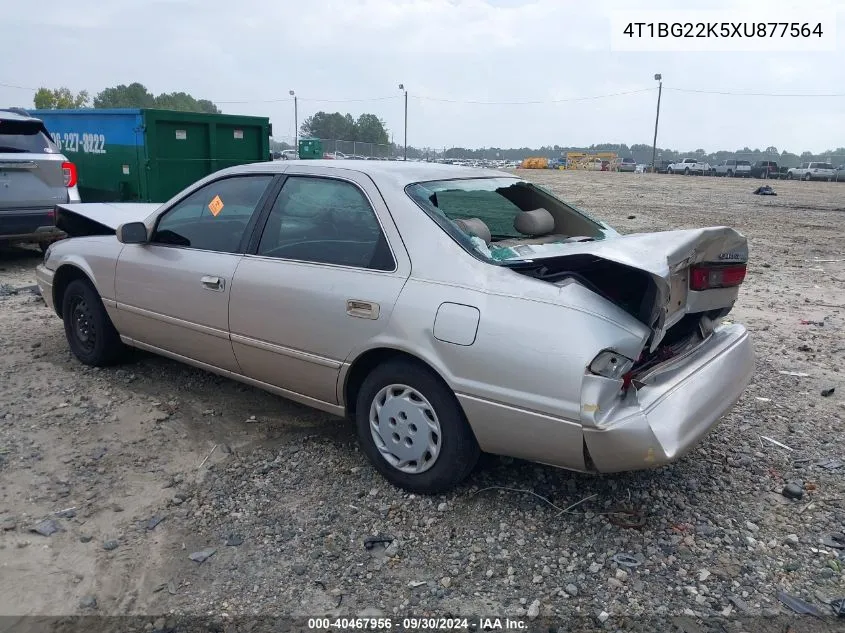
(686,172)
(90,333)
(807,177)
(412,428)
(789,176)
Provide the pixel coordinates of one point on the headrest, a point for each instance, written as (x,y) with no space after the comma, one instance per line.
(535,223)
(474,226)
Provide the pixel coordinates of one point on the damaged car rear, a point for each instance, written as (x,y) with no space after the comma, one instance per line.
(445,310)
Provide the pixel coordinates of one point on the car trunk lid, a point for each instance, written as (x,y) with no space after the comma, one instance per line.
(692,271)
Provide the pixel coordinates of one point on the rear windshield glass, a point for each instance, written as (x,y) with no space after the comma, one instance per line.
(496,203)
(28,137)
(742,162)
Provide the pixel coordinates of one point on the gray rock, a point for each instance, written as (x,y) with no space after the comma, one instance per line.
(8,523)
(110,545)
(47,527)
(793,491)
(203,555)
(234,540)
(533,610)
(88,602)
(298,568)
(572,589)
(85,538)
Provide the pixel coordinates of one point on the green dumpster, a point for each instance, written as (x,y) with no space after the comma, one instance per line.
(310,148)
(149,155)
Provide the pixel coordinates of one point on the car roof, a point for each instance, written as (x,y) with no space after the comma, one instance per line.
(11,115)
(400,173)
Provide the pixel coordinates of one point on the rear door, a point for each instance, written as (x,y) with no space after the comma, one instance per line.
(173,292)
(319,284)
(31,176)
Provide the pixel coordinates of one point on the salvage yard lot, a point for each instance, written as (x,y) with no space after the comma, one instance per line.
(156,461)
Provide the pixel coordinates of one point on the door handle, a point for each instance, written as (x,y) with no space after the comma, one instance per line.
(213,283)
(362,309)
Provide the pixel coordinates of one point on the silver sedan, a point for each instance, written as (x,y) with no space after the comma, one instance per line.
(445,310)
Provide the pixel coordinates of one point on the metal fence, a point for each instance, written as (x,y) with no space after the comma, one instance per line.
(358,149)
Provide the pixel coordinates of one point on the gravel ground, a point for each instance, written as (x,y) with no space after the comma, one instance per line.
(155,464)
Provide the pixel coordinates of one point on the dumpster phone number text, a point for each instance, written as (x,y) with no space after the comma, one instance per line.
(377,624)
(90,143)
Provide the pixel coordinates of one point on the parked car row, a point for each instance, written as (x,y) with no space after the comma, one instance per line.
(733,168)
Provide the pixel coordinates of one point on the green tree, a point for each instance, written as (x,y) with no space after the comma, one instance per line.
(134,95)
(330,126)
(60,99)
(370,129)
(184,102)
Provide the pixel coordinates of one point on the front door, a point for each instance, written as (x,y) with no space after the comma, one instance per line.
(173,292)
(321,282)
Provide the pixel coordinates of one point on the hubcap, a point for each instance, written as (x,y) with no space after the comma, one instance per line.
(82,324)
(405,429)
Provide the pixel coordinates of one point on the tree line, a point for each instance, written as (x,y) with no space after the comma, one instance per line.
(135,95)
(369,128)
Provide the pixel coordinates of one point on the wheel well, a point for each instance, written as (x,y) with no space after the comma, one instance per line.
(369,360)
(64,275)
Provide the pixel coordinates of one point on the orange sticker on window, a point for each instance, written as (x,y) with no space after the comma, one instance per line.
(215,206)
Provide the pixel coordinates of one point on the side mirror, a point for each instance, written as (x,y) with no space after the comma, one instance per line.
(132,233)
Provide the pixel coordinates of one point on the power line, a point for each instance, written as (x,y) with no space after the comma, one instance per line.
(756,94)
(568,99)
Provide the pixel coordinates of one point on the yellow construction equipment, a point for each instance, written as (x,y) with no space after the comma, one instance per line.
(589,160)
(535,163)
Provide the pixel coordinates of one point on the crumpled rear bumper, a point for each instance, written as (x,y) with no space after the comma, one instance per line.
(681,403)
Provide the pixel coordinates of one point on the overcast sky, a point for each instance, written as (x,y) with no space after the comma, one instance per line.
(255,51)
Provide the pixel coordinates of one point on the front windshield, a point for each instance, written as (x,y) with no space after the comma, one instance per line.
(505,219)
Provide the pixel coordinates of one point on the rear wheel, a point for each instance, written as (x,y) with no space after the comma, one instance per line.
(686,172)
(789,175)
(90,333)
(807,177)
(412,428)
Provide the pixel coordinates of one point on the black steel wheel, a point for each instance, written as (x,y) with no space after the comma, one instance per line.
(90,333)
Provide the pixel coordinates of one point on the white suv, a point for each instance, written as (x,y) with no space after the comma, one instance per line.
(812,171)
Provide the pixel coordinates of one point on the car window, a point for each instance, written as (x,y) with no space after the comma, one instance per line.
(742,162)
(325,221)
(25,137)
(214,217)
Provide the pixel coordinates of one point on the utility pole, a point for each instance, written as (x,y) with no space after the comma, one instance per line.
(659,79)
(402,87)
(295,124)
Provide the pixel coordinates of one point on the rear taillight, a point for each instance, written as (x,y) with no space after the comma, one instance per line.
(707,276)
(69,172)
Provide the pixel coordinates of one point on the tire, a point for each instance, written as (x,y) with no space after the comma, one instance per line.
(686,172)
(417,396)
(808,177)
(789,175)
(44,246)
(670,172)
(90,333)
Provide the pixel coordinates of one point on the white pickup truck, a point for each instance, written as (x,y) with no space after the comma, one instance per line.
(812,171)
(690,166)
